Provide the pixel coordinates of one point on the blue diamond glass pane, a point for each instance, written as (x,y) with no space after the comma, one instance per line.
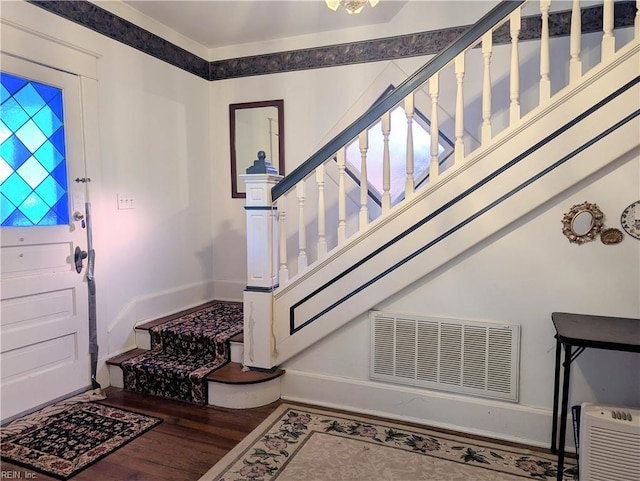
(47,121)
(50,191)
(6,208)
(29,99)
(5,171)
(15,189)
(32,172)
(60,175)
(56,106)
(14,152)
(32,146)
(31,136)
(46,91)
(50,218)
(5,132)
(17,219)
(57,139)
(34,208)
(4,94)
(12,83)
(49,156)
(61,210)
(13,115)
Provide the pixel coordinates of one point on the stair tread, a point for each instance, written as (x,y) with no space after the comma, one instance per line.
(117,360)
(232,373)
(145,326)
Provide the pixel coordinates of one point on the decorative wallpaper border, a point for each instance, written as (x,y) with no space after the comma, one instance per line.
(110,25)
(106,23)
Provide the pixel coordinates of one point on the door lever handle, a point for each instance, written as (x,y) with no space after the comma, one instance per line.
(78,256)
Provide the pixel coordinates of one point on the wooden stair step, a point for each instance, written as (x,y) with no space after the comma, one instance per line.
(232,373)
(229,386)
(145,326)
(120,358)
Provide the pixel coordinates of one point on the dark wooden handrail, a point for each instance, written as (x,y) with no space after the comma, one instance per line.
(492,18)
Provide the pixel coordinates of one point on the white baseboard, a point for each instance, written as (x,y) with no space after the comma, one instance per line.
(495,419)
(153,306)
(159,304)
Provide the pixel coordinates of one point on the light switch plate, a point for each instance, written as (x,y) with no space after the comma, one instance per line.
(126,201)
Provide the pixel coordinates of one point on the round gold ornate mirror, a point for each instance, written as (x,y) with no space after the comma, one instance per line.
(582,223)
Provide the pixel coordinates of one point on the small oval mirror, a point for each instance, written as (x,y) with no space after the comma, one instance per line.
(582,223)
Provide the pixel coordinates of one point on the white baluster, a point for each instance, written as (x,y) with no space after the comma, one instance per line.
(434,87)
(608,39)
(322,241)
(459,129)
(545,82)
(409,111)
(342,197)
(363,141)
(386,163)
(283,273)
(487,46)
(575,64)
(514,90)
(302,237)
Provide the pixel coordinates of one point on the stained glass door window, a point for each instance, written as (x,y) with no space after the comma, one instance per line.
(33,170)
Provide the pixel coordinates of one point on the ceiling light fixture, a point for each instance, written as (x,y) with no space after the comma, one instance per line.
(352,6)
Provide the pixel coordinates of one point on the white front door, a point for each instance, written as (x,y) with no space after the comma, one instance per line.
(44,335)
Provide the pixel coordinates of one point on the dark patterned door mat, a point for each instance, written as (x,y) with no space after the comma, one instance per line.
(66,442)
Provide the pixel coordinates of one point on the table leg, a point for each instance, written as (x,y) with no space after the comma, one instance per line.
(556,394)
(563,414)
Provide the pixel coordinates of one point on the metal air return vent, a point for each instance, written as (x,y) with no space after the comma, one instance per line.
(470,357)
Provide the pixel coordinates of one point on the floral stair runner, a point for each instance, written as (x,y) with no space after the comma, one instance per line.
(183,351)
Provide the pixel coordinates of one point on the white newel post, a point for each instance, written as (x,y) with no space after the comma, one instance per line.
(262,264)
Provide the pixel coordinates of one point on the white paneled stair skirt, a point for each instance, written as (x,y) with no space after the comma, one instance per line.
(460,356)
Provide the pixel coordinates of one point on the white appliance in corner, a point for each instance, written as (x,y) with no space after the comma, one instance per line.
(609,443)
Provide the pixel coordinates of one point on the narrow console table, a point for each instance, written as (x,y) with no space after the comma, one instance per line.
(576,332)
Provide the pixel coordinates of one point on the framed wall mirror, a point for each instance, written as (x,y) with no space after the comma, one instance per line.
(582,223)
(255,126)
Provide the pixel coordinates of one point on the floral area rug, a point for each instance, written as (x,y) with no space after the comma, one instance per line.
(66,438)
(183,352)
(313,445)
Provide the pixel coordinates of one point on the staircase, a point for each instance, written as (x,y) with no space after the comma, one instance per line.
(318,258)
(228,385)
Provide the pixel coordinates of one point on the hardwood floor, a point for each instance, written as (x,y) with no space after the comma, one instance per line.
(186,444)
(183,447)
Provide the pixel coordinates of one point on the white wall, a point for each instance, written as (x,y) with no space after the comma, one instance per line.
(154,138)
(520,276)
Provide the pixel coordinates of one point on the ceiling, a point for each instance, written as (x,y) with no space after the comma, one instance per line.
(220,23)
